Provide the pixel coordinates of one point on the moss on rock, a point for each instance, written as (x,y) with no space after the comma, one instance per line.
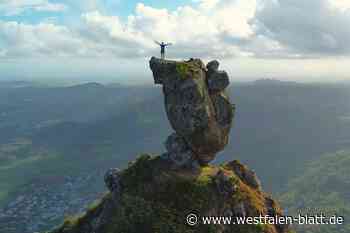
(182,69)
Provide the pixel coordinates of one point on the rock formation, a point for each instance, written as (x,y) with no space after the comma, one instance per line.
(151,196)
(197,107)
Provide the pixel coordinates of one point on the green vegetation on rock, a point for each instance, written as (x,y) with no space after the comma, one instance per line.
(155,199)
(183,69)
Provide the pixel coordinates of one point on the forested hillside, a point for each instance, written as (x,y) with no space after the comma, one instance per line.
(323,187)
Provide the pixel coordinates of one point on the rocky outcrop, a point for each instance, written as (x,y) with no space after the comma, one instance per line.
(247,176)
(196,104)
(157,199)
(112,182)
(217,80)
(224,184)
(112,178)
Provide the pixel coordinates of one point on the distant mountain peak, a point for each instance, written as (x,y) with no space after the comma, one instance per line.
(271,81)
(89,85)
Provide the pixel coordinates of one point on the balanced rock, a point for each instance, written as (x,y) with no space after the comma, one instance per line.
(196,105)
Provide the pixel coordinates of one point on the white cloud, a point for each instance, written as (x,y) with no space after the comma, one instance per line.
(342,5)
(194,31)
(113,38)
(23,40)
(213,29)
(207,4)
(16,7)
(251,37)
(187,23)
(313,28)
(50,7)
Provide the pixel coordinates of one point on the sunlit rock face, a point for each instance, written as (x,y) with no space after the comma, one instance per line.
(196,104)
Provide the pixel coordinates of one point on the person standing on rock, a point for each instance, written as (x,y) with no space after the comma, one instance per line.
(162,48)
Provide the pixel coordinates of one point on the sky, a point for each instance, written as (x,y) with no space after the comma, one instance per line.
(113,40)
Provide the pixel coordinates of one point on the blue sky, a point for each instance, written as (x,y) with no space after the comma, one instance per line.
(75,8)
(113,39)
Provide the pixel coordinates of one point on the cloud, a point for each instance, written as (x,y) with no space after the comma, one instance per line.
(211,29)
(113,38)
(313,28)
(17,7)
(194,32)
(24,40)
(342,5)
(207,4)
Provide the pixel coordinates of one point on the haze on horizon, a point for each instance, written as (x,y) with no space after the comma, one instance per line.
(113,39)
